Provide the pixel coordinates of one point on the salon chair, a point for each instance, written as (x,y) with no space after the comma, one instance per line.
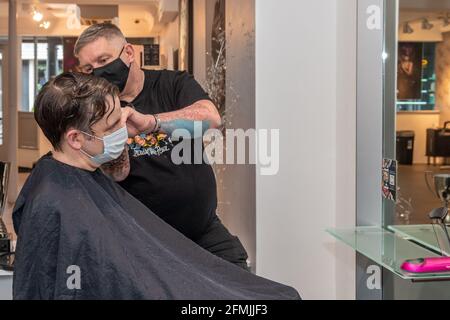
(6,257)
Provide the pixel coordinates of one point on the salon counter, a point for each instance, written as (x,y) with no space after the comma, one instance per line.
(6,279)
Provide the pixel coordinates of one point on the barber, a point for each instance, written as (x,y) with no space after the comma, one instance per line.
(157,103)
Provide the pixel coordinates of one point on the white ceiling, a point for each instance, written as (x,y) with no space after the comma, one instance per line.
(58,9)
(408,16)
(135,14)
(424,5)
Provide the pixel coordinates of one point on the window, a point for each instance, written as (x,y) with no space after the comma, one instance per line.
(423,56)
(42,59)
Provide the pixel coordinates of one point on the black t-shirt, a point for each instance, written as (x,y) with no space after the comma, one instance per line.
(184,195)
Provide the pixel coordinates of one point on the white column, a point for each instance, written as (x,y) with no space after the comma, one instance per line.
(11,132)
(183,62)
(295,93)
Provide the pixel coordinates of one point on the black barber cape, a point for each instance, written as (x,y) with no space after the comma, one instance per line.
(81,236)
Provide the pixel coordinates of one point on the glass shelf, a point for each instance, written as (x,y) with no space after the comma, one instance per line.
(388,249)
(423,234)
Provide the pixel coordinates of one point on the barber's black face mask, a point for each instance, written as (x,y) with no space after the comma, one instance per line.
(115,72)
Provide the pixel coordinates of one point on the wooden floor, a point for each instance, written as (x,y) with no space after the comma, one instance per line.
(413,189)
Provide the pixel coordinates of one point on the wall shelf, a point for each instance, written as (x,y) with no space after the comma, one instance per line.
(388,249)
(422,234)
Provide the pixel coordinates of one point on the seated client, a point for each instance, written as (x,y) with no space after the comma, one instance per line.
(81,236)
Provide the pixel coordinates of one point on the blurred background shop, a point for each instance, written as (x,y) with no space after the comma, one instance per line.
(36,43)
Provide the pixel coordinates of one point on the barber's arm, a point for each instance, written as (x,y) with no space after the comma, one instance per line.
(202,111)
(191,109)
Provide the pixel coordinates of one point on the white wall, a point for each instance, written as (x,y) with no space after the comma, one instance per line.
(305,86)
(169,41)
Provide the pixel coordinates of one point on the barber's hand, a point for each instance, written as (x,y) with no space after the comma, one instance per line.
(137,122)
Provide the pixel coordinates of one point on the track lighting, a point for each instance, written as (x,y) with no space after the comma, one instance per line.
(45,24)
(407,28)
(37,15)
(445,20)
(426,25)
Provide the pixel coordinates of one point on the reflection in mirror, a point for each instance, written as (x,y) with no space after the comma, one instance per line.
(423,110)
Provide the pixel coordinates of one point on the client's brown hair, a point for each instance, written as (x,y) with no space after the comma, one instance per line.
(72,100)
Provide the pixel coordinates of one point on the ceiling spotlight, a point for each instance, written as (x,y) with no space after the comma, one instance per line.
(407,28)
(37,16)
(45,24)
(426,25)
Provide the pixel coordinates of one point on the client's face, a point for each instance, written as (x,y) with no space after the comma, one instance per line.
(110,123)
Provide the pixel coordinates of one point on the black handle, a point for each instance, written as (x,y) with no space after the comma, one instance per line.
(446,124)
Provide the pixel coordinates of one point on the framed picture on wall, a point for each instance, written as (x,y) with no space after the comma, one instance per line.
(409,82)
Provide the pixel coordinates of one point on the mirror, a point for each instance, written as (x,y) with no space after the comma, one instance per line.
(422,108)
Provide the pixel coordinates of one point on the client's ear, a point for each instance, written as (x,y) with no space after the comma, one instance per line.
(74,138)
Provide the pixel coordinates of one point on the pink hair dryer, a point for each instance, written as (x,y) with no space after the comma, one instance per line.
(427,265)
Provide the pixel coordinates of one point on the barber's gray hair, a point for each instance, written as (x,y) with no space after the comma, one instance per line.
(102,30)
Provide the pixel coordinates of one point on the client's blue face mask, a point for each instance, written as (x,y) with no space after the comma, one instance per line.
(113,146)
